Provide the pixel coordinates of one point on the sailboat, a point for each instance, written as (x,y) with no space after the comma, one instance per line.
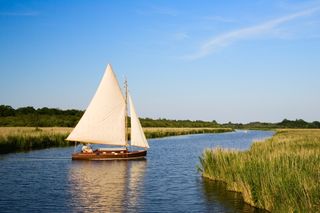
(105,121)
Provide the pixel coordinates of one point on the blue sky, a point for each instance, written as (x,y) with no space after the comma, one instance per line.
(236,61)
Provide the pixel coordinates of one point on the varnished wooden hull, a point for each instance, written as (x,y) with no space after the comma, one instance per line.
(110,155)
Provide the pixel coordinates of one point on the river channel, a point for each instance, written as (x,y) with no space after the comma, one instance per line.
(167,181)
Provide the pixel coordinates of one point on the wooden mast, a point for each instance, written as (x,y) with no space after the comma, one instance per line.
(126,116)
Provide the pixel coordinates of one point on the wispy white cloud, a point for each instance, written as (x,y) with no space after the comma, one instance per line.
(19,13)
(261,29)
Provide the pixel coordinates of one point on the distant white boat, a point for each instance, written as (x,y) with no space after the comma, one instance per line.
(106,122)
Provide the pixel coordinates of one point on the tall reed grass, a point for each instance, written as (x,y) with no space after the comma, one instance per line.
(281,174)
(166,132)
(28,138)
(14,139)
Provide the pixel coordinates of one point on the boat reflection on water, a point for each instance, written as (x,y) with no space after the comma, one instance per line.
(106,186)
(135,182)
(231,201)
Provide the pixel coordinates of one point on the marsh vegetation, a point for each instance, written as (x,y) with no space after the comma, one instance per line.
(281,174)
(14,139)
(28,138)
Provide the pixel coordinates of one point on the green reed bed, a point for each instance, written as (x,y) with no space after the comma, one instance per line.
(281,174)
(166,132)
(14,139)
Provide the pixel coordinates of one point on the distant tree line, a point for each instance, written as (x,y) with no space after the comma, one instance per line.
(298,123)
(162,122)
(48,117)
(41,117)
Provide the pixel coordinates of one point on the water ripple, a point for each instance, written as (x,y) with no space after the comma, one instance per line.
(49,181)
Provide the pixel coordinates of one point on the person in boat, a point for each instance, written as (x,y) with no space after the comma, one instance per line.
(87,148)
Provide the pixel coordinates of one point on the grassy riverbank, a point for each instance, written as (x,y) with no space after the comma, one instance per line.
(14,139)
(154,132)
(281,174)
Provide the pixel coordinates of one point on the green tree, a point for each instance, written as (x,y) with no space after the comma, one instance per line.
(6,110)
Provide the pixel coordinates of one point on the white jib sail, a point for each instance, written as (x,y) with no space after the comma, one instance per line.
(104,120)
(137,135)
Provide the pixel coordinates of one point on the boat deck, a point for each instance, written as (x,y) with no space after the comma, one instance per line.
(110,155)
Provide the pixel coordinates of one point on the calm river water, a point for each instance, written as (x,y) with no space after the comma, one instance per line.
(167,181)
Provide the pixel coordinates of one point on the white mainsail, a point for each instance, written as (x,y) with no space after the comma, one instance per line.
(104,120)
(137,135)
